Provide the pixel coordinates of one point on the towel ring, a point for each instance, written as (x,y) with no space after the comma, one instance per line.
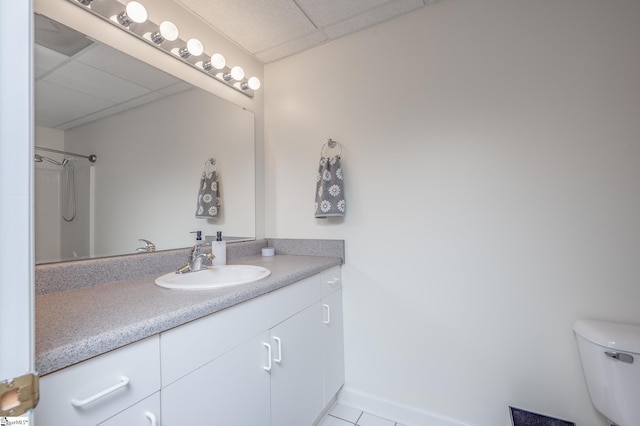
(331,144)
(211,162)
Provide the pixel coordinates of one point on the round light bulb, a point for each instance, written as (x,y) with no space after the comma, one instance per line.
(253,83)
(218,61)
(168,31)
(237,73)
(194,46)
(136,12)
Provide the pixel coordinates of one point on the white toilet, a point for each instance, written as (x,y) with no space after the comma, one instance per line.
(610,355)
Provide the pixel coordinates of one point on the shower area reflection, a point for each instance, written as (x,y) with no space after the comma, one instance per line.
(63,198)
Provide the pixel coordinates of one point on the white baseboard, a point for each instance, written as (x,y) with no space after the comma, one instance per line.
(403,414)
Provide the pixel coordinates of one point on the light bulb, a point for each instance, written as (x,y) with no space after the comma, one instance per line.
(133,12)
(166,31)
(218,61)
(237,73)
(253,84)
(194,47)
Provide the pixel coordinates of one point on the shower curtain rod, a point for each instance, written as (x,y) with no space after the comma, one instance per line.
(91,157)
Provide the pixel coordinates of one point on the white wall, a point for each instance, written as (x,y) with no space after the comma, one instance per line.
(492,167)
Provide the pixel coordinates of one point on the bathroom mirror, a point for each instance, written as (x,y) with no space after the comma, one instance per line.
(152,135)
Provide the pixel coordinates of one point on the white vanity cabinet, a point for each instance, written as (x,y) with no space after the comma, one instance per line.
(275,360)
(232,390)
(332,345)
(296,374)
(332,333)
(93,391)
(269,361)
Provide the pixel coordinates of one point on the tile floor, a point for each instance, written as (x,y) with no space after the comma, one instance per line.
(342,415)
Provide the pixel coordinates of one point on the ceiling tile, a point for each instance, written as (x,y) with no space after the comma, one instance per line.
(58,37)
(327,12)
(94,82)
(254,24)
(120,64)
(55,105)
(292,47)
(150,97)
(46,59)
(178,87)
(388,11)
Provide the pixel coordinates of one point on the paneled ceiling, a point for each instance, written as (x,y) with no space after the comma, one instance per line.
(78,81)
(275,29)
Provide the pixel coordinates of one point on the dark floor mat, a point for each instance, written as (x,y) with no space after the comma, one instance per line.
(526,418)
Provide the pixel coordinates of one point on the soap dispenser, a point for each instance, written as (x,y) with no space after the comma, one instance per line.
(219,250)
(198,236)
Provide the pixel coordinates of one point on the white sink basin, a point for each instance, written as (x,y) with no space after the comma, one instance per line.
(216,277)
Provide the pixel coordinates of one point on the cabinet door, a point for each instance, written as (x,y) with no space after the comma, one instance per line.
(230,390)
(96,389)
(144,413)
(332,345)
(296,376)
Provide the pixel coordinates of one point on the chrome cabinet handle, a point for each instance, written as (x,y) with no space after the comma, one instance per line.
(268,366)
(620,356)
(279,342)
(328,309)
(124,381)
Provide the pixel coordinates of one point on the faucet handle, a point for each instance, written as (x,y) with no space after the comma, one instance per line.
(195,250)
(149,246)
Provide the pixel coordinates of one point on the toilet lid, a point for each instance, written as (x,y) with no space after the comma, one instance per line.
(622,337)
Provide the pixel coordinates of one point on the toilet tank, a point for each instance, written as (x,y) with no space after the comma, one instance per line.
(610,355)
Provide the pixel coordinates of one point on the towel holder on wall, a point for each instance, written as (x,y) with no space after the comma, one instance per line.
(211,162)
(331,144)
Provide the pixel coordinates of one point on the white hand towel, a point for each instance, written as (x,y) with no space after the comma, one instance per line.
(330,199)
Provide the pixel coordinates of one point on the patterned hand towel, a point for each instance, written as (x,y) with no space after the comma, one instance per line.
(330,188)
(208,196)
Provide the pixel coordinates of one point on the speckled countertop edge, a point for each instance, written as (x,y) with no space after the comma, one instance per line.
(78,324)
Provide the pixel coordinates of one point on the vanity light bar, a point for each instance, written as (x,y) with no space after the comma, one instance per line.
(165,37)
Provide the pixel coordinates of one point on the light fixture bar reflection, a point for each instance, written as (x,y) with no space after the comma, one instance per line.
(132,18)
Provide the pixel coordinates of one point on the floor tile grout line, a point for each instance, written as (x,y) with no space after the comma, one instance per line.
(340,418)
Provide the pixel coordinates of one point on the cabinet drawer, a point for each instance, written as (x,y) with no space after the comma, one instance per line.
(144,413)
(331,280)
(94,390)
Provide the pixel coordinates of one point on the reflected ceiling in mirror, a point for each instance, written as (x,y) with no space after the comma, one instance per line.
(79,80)
(152,134)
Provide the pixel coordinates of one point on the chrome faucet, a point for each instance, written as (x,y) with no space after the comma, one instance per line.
(148,247)
(195,259)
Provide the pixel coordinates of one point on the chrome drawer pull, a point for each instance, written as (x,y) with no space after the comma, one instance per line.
(620,356)
(124,381)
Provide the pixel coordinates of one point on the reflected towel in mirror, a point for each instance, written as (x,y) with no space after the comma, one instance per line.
(330,199)
(208,196)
